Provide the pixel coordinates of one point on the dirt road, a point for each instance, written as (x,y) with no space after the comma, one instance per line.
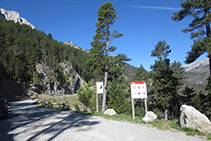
(29,122)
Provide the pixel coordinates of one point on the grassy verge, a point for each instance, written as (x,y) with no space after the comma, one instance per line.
(172,125)
(160,124)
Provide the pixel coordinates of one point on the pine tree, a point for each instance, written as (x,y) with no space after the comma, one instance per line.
(166,80)
(118,98)
(141,74)
(200,30)
(99,54)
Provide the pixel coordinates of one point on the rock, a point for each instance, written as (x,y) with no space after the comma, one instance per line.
(51,87)
(14,16)
(74,80)
(149,116)
(110,112)
(192,118)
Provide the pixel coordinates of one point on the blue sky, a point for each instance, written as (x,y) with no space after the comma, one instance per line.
(142,22)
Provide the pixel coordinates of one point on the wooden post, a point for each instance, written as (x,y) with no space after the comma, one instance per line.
(133,109)
(145,100)
(97,109)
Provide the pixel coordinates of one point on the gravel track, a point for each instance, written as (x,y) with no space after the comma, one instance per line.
(29,122)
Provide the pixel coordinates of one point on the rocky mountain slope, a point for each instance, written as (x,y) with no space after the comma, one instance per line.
(197,72)
(49,86)
(14,16)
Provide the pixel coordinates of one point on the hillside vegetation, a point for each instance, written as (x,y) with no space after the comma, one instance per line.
(21,48)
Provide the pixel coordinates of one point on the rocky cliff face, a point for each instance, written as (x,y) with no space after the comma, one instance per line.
(14,16)
(49,84)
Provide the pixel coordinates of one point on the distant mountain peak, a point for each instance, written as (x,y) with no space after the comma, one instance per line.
(197,73)
(14,16)
(195,65)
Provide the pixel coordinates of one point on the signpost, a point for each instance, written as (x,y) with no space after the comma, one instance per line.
(99,90)
(138,91)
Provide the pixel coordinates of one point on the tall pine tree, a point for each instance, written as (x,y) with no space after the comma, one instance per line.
(99,54)
(166,80)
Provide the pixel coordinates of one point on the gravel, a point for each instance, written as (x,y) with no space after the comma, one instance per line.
(29,122)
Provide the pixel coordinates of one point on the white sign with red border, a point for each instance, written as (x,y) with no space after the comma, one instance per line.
(138,90)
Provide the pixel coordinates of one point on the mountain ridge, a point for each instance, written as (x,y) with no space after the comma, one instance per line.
(195,65)
(197,74)
(14,16)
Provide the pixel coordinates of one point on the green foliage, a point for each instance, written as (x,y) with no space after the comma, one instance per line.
(87,96)
(139,107)
(117,98)
(166,79)
(60,76)
(99,58)
(161,51)
(21,48)
(207,99)
(141,74)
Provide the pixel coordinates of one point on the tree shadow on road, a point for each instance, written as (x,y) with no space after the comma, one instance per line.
(35,123)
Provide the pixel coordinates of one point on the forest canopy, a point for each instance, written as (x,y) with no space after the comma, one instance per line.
(21,48)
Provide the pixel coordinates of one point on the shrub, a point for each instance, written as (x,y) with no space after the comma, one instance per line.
(117,98)
(87,96)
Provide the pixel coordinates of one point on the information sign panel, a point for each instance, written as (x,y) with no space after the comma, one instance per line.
(138,90)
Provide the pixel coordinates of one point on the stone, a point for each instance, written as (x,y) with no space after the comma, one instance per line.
(150,116)
(193,119)
(110,112)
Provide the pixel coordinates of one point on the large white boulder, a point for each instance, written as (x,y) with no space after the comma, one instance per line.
(110,112)
(192,118)
(149,116)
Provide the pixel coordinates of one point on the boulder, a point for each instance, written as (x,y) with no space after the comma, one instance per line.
(149,116)
(192,118)
(110,112)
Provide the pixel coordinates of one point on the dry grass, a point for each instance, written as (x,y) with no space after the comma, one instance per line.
(69,100)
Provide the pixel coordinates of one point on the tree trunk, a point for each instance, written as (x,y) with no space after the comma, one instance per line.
(208,34)
(166,114)
(105,90)
(106,70)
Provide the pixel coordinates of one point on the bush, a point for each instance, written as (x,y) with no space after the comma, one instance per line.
(117,98)
(87,96)
(139,111)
